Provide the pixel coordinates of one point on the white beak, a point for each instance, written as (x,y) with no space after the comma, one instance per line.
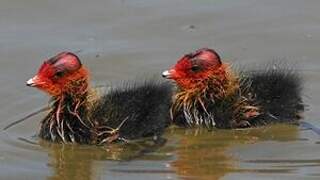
(166,74)
(31,82)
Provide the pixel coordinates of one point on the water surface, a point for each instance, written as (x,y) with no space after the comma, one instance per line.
(122,39)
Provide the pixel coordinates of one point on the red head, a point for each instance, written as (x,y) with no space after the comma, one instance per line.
(61,74)
(194,67)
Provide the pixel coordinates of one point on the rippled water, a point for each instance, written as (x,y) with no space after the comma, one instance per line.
(122,39)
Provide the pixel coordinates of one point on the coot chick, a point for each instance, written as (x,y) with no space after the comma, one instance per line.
(211,94)
(79,115)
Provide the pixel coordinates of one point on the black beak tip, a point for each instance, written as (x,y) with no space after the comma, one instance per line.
(165,74)
(30,83)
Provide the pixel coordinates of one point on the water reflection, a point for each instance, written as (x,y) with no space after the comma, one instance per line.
(78,161)
(192,154)
(206,155)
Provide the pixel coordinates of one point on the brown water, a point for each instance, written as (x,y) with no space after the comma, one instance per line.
(123,39)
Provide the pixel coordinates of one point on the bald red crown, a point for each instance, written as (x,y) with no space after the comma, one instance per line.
(207,58)
(63,62)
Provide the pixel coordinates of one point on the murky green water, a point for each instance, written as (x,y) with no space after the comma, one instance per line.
(122,39)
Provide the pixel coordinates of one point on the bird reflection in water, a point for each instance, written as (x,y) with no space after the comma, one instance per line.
(197,153)
(72,161)
(208,155)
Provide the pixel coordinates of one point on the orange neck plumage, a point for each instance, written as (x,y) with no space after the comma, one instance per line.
(78,84)
(221,87)
(194,94)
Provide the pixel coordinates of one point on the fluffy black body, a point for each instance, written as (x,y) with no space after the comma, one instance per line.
(133,112)
(275,92)
(143,108)
(278,91)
